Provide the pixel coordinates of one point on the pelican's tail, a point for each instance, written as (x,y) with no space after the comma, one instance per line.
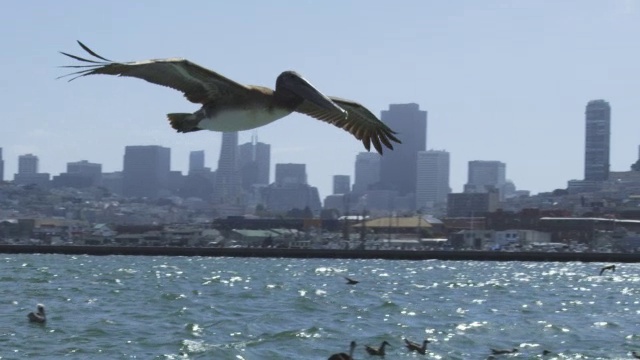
(183,122)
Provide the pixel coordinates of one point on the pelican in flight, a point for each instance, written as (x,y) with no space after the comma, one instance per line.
(351,281)
(229,106)
(38,316)
(343,356)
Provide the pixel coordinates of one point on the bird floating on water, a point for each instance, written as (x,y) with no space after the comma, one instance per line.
(635,354)
(38,316)
(351,281)
(343,356)
(229,106)
(608,267)
(377,352)
(503,351)
(412,346)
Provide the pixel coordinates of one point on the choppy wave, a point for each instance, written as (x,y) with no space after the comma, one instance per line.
(118,307)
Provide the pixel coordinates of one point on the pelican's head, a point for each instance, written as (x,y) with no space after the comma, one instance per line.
(40,308)
(291,83)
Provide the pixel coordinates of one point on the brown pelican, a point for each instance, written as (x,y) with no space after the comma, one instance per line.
(343,356)
(38,316)
(608,267)
(230,106)
(351,281)
(377,352)
(415,347)
(503,351)
(635,354)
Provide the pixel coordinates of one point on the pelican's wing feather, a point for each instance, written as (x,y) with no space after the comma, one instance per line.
(198,84)
(360,122)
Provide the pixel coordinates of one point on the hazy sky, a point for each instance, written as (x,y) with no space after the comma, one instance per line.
(501,80)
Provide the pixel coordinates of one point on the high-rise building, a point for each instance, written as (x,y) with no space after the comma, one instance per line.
(291,174)
(398,167)
(1,166)
(432,183)
(227,185)
(341,184)
(367,171)
(598,133)
(196,161)
(79,175)
(146,171)
(27,164)
(28,172)
(483,176)
(254,162)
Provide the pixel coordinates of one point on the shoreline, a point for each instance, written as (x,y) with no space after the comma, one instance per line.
(461,255)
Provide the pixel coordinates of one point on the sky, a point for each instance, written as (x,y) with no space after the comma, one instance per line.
(501,80)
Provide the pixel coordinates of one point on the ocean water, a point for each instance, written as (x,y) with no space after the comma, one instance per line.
(126,307)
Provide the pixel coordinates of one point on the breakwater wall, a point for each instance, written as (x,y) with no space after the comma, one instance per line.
(320,253)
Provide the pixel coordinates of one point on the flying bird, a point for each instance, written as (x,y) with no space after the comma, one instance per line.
(377,352)
(412,346)
(229,106)
(608,267)
(343,356)
(38,316)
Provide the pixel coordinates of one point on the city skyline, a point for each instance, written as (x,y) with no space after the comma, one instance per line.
(500,80)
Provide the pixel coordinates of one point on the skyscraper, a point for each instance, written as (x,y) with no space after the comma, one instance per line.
(86,169)
(341,184)
(484,176)
(146,171)
(196,161)
(227,187)
(1,166)
(27,164)
(254,162)
(398,167)
(367,171)
(597,136)
(28,172)
(291,174)
(432,183)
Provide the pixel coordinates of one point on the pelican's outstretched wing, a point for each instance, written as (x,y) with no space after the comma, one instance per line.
(198,84)
(360,122)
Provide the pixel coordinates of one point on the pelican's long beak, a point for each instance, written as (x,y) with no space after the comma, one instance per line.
(301,87)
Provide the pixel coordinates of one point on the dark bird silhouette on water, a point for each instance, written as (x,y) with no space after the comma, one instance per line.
(503,351)
(343,356)
(609,267)
(229,106)
(351,281)
(635,354)
(38,316)
(412,346)
(377,352)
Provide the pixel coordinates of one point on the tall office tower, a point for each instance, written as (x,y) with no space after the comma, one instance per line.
(291,174)
(398,167)
(86,169)
(196,161)
(484,176)
(367,171)
(146,171)
(432,183)
(27,164)
(341,184)
(1,166)
(227,185)
(598,133)
(254,162)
